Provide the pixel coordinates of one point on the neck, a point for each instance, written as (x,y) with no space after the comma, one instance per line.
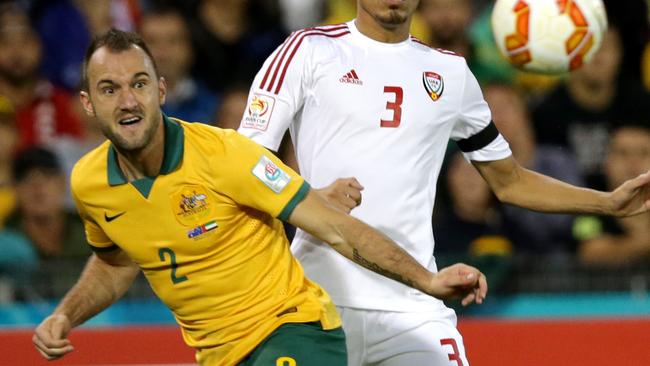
(145,162)
(371,28)
(591,96)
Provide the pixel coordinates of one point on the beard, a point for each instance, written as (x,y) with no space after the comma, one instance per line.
(393,18)
(130,145)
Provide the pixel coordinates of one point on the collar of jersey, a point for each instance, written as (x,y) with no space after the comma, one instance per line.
(171,159)
(367,40)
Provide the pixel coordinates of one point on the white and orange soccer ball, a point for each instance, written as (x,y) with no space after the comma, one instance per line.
(548,36)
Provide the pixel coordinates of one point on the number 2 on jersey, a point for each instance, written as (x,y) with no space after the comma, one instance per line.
(174,265)
(395,106)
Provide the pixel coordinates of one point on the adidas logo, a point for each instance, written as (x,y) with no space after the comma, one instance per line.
(351,78)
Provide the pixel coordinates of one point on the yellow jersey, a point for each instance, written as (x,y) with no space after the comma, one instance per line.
(205,234)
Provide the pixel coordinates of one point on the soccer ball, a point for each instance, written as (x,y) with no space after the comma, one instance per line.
(548,36)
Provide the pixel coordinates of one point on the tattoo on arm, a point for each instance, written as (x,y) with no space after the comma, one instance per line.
(358,258)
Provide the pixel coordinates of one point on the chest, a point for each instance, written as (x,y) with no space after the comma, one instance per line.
(383,89)
(185,216)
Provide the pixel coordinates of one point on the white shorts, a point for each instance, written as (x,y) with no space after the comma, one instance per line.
(386,338)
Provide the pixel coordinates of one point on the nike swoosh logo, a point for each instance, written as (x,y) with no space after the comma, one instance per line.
(111,218)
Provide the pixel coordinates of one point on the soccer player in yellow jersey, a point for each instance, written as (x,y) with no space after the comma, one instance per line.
(196,209)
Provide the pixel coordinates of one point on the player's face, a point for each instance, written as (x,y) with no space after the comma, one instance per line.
(389,13)
(125,96)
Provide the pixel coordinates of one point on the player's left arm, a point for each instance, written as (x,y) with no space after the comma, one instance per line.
(371,249)
(519,186)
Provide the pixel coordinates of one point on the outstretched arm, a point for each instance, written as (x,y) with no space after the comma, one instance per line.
(516,185)
(375,251)
(106,277)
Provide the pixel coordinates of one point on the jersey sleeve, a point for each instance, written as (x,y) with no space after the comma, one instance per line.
(95,236)
(255,177)
(276,94)
(474,132)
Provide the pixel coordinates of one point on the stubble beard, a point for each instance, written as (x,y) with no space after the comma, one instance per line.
(129,146)
(392,19)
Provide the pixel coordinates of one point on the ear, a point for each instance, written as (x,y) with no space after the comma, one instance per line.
(86,103)
(162,90)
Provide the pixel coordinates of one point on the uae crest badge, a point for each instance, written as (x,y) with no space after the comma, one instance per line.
(433,84)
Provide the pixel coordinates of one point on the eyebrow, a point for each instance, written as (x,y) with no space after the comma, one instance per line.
(137,75)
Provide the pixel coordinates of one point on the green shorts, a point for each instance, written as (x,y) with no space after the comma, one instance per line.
(300,344)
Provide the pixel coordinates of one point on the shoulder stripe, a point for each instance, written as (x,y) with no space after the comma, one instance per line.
(292,44)
(286,65)
(283,50)
(268,70)
(446,52)
(416,40)
(441,50)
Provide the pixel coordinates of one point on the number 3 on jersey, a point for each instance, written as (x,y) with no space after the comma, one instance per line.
(395,106)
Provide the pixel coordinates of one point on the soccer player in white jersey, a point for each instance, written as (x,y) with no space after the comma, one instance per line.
(366,100)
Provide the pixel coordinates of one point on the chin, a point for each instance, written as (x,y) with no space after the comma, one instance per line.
(393,18)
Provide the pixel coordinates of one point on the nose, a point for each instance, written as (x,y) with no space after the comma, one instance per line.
(127,99)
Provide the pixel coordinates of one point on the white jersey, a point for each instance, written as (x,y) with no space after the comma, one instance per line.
(382,113)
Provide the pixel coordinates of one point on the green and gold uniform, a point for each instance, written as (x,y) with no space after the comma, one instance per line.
(205,234)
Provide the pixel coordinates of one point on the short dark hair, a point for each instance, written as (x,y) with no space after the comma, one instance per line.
(35,158)
(118,41)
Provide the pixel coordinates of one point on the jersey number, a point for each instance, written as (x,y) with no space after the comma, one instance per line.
(285,361)
(454,356)
(395,106)
(174,265)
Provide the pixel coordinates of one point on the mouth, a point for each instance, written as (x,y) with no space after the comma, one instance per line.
(394,4)
(130,120)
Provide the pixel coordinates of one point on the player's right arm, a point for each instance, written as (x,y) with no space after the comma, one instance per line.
(253,177)
(371,249)
(104,280)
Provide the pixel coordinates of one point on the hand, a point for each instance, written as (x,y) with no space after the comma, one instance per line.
(460,280)
(344,194)
(50,337)
(632,197)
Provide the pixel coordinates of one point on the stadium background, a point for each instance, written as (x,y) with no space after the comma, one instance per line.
(550,304)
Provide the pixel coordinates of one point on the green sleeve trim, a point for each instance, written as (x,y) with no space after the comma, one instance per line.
(297,198)
(103,249)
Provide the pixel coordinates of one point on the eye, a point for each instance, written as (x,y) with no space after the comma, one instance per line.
(140,84)
(108,91)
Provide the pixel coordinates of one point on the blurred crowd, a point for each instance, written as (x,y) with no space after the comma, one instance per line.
(591,127)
